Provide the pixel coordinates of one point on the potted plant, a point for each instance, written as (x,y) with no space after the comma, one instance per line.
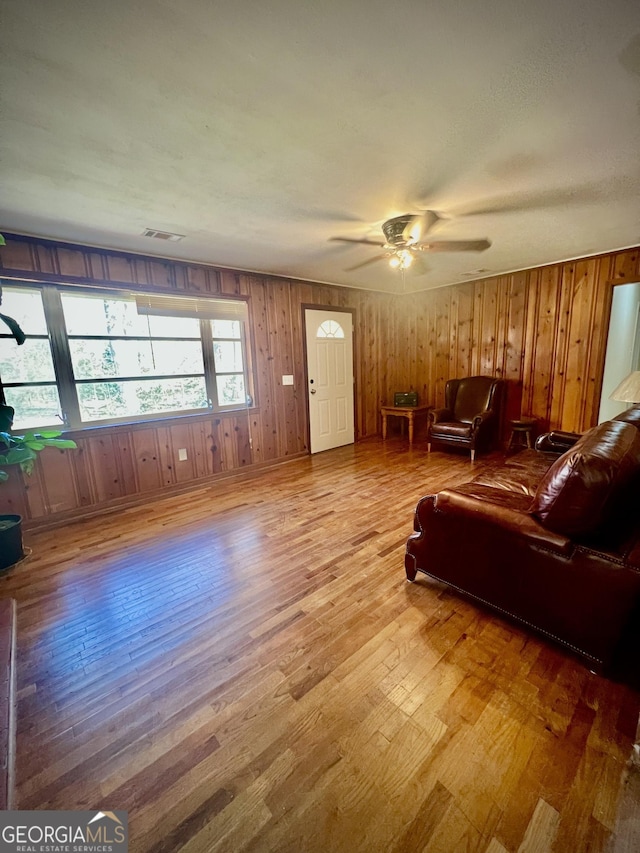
(21,450)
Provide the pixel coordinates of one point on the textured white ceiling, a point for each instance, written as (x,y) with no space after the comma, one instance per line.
(261,129)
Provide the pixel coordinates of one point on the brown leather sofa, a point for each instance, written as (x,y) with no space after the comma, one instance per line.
(551,541)
(471,414)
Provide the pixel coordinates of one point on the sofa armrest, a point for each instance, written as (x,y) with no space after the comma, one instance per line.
(501,509)
(556,441)
(485,544)
(481,418)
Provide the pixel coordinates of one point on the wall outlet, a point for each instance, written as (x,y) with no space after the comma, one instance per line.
(287,380)
(182,454)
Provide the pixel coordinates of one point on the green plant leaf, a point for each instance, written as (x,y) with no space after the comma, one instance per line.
(22,450)
(3,242)
(27,466)
(18,455)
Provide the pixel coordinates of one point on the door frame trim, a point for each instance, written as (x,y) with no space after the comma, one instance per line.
(338,309)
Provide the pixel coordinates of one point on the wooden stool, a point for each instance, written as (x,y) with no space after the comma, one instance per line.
(521,433)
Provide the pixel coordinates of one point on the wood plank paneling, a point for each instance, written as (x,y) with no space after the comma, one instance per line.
(442,333)
(217,445)
(60,487)
(147,458)
(120,268)
(547,334)
(514,344)
(280,319)
(72,263)
(599,334)
(624,266)
(106,478)
(543,330)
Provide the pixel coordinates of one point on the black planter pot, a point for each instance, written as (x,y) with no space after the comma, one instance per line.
(10,540)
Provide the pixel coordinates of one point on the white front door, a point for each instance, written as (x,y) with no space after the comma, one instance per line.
(330,378)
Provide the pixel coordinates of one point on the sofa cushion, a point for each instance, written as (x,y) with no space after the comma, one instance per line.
(579,492)
(520,473)
(451,428)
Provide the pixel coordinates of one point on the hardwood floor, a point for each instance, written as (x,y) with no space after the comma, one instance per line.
(245,668)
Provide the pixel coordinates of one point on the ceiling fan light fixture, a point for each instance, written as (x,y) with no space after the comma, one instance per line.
(394,229)
(402,259)
(405,239)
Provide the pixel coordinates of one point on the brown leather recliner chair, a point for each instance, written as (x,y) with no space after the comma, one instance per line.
(471,416)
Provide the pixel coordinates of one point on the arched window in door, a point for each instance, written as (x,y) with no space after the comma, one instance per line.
(330,329)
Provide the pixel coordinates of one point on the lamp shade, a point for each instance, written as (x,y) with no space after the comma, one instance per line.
(628,391)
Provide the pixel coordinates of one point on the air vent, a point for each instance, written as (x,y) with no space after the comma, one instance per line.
(162,235)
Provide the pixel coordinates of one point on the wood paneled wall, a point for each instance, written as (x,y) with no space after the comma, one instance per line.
(544,330)
(117,465)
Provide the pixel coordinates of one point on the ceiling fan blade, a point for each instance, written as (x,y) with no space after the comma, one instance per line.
(369,261)
(419,226)
(454,246)
(353,240)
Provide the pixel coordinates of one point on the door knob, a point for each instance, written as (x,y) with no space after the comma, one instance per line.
(313,390)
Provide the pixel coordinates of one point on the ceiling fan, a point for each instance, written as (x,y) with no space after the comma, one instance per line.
(405,240)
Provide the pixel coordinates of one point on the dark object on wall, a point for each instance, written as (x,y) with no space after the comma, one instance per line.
(551,541)
(405,398)
(471,414)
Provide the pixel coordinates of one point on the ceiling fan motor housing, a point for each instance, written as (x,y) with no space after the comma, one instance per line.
(394,229)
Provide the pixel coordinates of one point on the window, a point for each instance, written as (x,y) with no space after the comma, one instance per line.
(128,365)
(27,371)
(330,329)
(95,357)
(228,361)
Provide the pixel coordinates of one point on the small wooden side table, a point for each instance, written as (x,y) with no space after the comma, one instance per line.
(408,412)
(521,433)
